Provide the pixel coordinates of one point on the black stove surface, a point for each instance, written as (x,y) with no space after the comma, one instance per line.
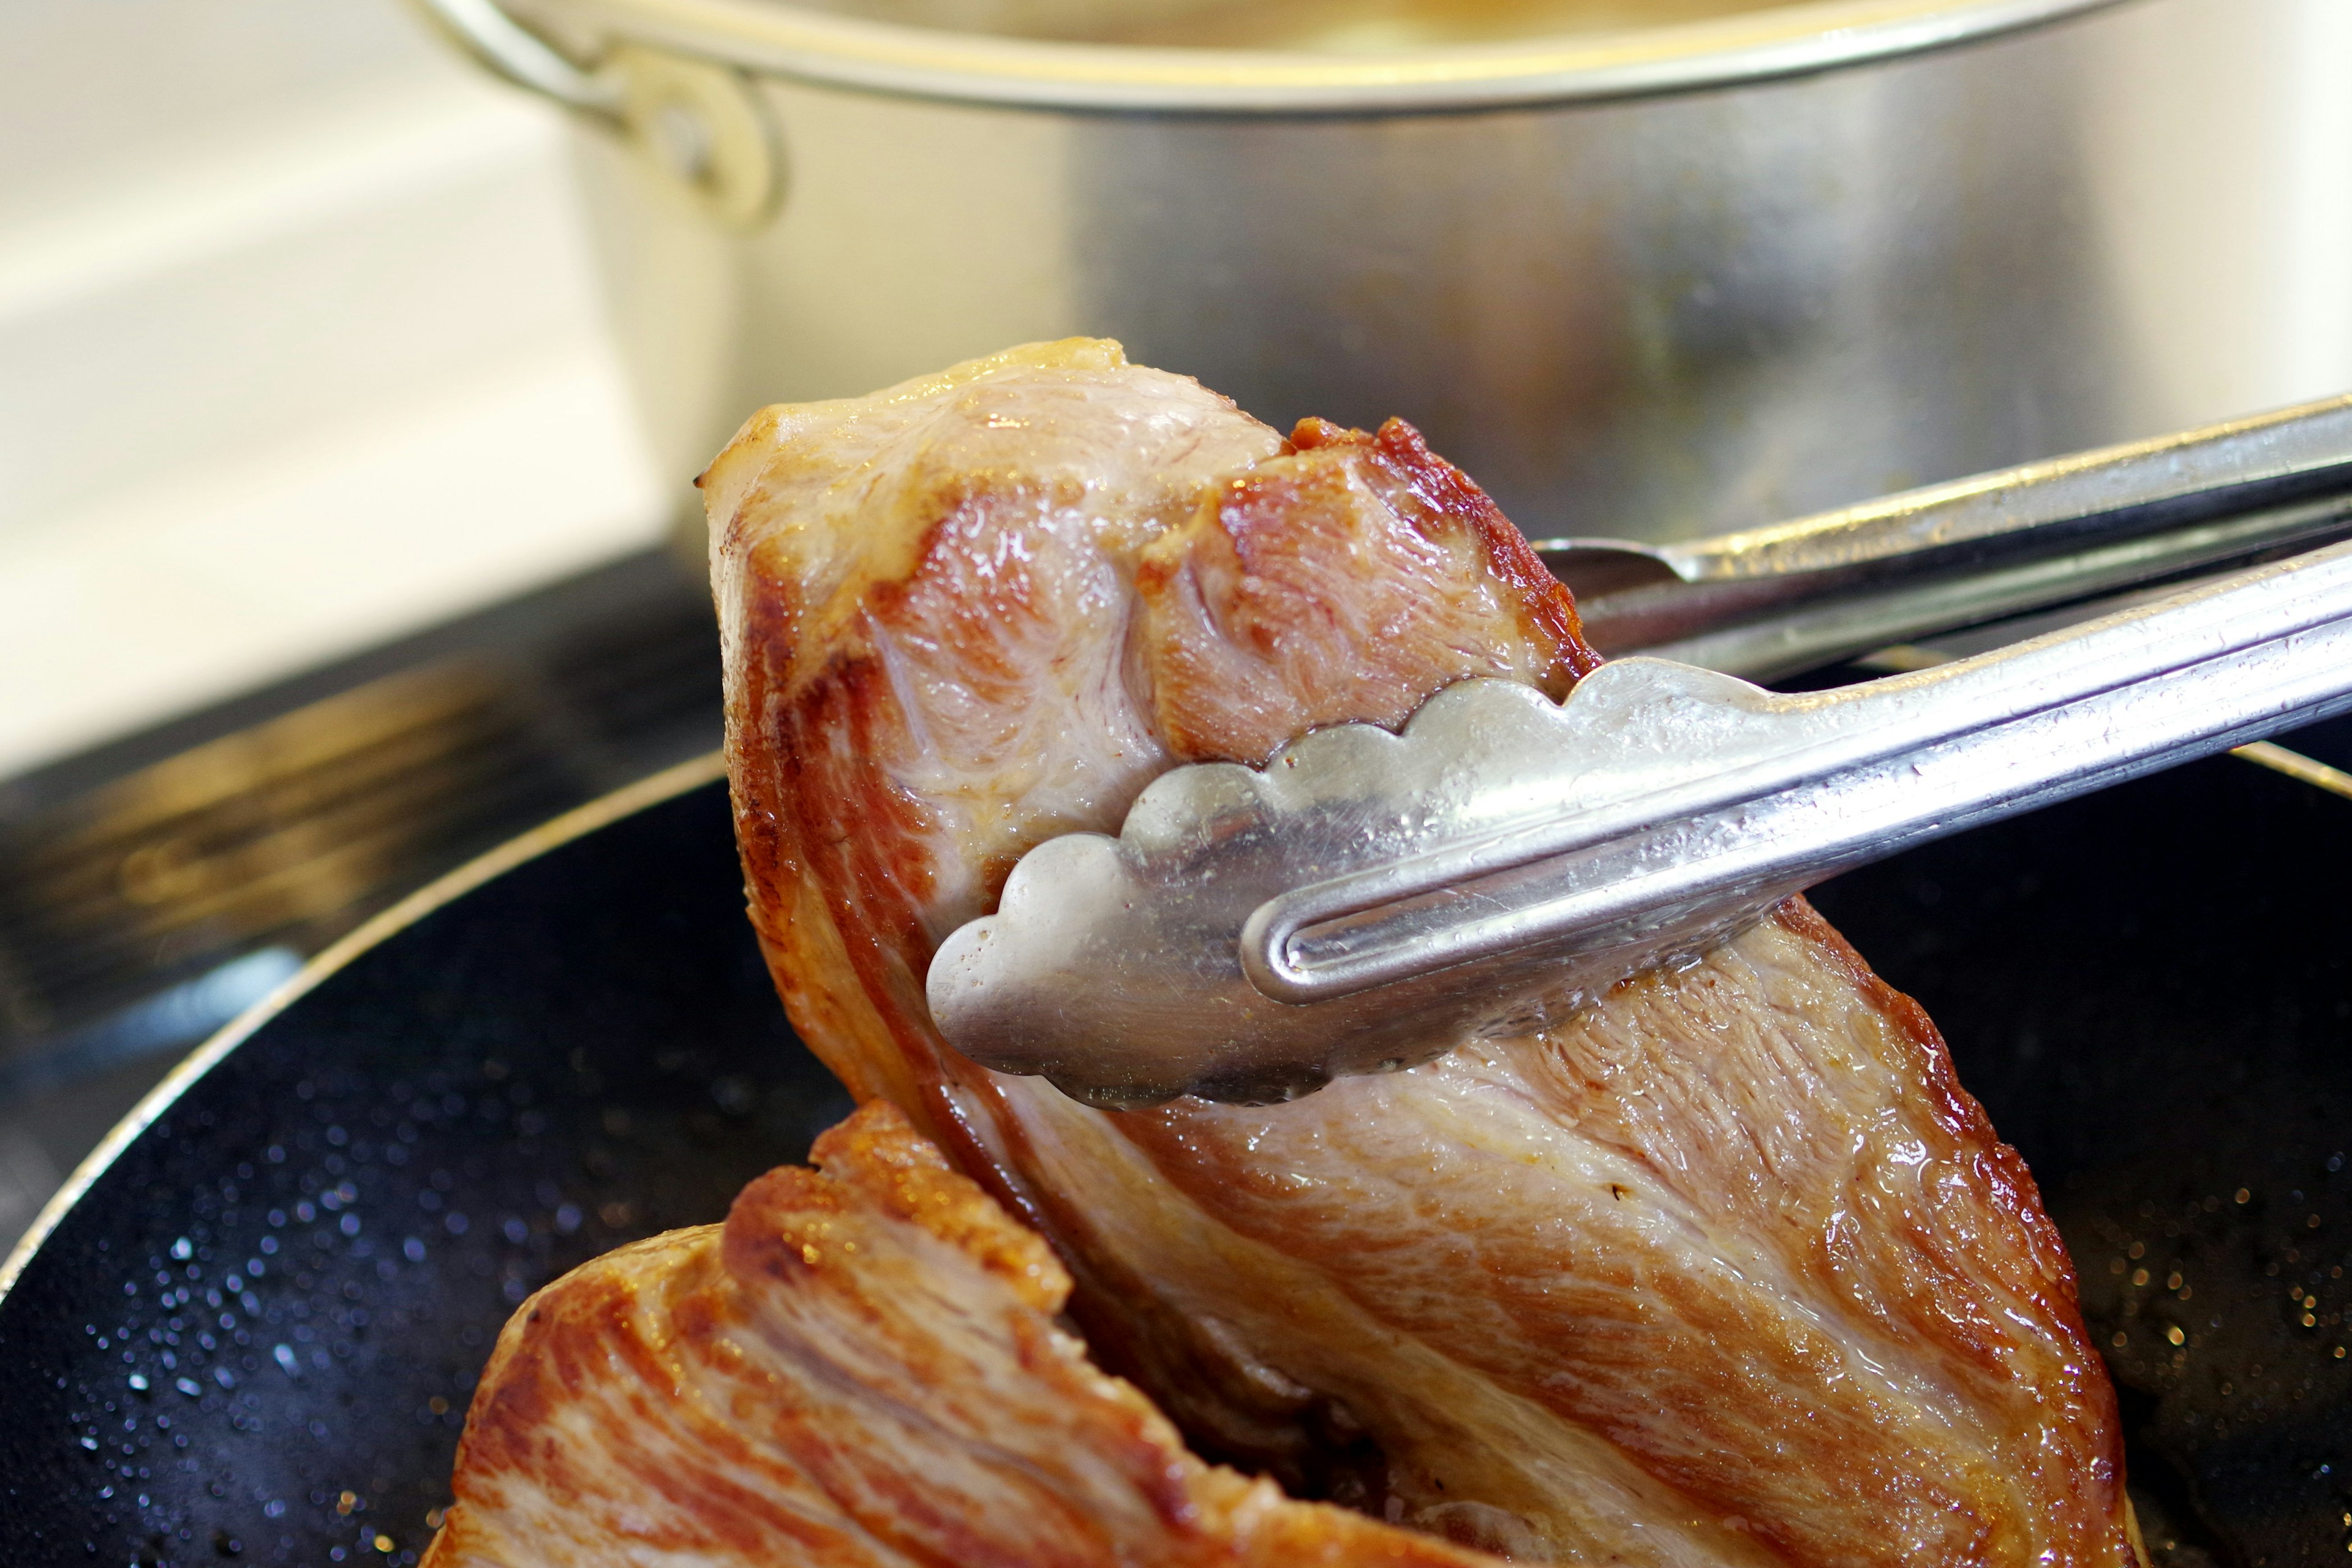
(150,889)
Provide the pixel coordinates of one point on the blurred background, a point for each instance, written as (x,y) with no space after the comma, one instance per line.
(329,551)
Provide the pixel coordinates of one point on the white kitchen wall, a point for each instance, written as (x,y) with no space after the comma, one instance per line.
(300,349)
(2225,125)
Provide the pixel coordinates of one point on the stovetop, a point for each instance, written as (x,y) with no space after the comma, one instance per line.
(153,888)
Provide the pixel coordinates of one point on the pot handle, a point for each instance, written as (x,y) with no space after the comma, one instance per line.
(509,49)
(701,124)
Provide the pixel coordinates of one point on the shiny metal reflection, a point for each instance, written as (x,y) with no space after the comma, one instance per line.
(1652,286)
(1368,897)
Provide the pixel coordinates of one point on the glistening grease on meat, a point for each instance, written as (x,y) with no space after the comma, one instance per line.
(1727,1270)
(859,1369)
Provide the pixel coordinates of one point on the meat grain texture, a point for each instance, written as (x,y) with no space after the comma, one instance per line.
(860,1369)
(1727,1271)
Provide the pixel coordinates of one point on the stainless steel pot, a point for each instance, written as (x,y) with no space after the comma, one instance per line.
(1652,283)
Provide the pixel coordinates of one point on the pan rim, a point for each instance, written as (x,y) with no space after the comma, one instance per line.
(670,783)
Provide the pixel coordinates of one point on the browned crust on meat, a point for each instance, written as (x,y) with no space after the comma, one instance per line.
(1440,490)
(812,1384)
(1956,1108)
(1236,616)
(587,1335)
(2013,1194)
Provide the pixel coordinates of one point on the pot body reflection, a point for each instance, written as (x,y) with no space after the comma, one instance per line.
(1650,316)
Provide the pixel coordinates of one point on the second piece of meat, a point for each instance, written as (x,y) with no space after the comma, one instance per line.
(1727,1270)
(859,1369)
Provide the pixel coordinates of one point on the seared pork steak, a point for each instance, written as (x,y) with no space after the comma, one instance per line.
(1728,1269)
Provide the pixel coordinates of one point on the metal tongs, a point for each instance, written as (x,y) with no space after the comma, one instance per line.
(1368,900)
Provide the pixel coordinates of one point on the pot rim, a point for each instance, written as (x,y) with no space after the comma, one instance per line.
(777,38)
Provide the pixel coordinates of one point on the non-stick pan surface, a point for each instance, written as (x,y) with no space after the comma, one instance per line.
(253,1334)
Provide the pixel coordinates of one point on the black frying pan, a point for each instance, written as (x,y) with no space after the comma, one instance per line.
(2149,990)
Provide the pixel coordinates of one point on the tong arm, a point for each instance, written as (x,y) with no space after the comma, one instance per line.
(1737,747)
(2232,467)
(1370,898)
(1769,602)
